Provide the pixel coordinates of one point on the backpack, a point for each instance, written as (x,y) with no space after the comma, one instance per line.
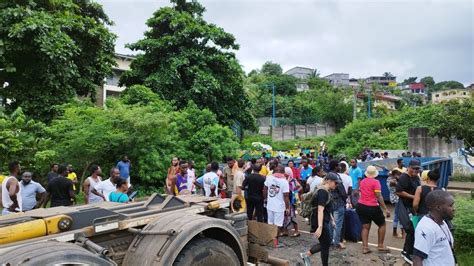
(307,202)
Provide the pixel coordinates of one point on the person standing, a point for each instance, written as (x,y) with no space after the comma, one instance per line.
(392,181)
(72,175)
(60,190)
(406,188)
(239,178)
(120,194)
(191,177)
(254,184)
(53,173)
(295,170)
(277,192)
(421,193)
(346,179)
(124,167)
(305,173)
(90,183)
(11,191)
(228,175)
(369,209)
(434,243)
(322,220)
(182,178)
(30,190)
(171,176)
(290,217)
(210,180)
(356,174)
(400,167)
(317,177)
(104,188)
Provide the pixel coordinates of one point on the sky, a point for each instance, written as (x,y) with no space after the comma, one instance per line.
(414,38)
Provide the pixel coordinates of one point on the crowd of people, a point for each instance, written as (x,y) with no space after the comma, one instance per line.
(20,193)
(274,192)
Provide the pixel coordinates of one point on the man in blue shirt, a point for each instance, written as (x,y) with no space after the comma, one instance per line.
(124,168)
(305,173)
(356,174)
(29,190)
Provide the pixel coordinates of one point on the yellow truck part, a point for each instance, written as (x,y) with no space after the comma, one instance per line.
(34,228)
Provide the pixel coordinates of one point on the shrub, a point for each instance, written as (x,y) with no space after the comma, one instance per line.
(464,230)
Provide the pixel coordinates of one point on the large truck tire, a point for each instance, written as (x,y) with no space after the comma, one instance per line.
(52,253)
(206,252)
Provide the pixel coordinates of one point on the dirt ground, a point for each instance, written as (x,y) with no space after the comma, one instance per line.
(352,255)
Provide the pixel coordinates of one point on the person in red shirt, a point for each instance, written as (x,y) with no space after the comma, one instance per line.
(369,209)
(295,170)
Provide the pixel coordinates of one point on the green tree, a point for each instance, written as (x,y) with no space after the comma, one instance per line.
(271,69)
(284,84)
(444,85)
(428,81)
(52,51)
(186,59)
(409,80)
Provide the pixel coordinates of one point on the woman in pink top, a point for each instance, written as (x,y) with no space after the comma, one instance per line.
(369,209)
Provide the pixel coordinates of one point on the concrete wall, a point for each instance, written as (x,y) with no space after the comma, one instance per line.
(420,141)
(301,131)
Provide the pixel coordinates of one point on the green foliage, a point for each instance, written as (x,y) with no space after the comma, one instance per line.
(52,51)
(455,119)
(464,231)
(186,59)
(284,84)
(462,177)
(20,138)
(428,81)
(444,85)
(271,69)
(409,80)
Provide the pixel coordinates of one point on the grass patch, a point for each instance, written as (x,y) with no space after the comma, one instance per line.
(464,231)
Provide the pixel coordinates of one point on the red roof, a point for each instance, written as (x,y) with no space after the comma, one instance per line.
(415,86)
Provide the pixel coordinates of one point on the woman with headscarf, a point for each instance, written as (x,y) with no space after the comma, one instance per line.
(290,219)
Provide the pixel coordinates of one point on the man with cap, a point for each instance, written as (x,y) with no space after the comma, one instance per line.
(369,209)
(406,188)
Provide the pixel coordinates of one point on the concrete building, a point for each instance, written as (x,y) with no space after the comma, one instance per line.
(389,101)
(301,73)
(338,79)
(354,83)
(382,81)
(453,94)
(111,88)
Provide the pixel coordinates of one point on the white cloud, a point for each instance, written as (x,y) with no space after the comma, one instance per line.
(362,38)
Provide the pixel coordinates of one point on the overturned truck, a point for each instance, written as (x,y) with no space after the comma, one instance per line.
(182,230)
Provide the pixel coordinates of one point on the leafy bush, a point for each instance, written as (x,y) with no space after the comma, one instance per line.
(462,178)
(464,231)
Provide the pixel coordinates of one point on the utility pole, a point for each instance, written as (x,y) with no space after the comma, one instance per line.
(368,106)
(273,106)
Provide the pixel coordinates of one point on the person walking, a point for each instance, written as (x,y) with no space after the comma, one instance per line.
(434,243)
(369,209)
(322,221)
(406,188)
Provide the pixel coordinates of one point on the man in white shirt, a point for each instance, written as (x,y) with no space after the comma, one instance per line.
(277,192)
(346,179)
(11,193)
(210,180)
(104,188)
(433,241)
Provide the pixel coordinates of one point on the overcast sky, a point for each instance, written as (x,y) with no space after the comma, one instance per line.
(362,38)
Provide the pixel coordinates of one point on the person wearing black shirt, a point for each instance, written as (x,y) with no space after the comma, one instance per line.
(254,184)
(60,190)
(53,173)
(322,221)
(406,188)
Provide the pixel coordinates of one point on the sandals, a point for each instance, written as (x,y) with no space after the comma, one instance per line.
(366,251)
(383,250)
